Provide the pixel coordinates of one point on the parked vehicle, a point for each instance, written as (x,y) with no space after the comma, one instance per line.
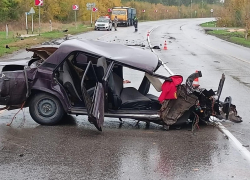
(125,15)
(86,78)
(103,23)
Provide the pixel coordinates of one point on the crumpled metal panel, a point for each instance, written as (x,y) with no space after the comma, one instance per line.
(173,109)
(13,88)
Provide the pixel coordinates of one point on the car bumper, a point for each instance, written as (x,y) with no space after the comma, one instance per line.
(98,27)
(122,22)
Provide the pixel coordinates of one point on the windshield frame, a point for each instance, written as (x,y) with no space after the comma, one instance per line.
(119,12)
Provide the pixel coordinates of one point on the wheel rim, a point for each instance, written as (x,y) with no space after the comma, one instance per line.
(46,108)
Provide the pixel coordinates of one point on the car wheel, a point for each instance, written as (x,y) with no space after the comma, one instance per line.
(46,109)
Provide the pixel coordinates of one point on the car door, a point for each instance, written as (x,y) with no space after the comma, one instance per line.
(95,103)
(14,89)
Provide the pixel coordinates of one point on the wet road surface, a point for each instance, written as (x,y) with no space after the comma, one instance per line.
(76,150)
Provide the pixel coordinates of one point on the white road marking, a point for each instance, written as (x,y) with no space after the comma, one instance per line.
(244,151)
(149,43)
(237,143)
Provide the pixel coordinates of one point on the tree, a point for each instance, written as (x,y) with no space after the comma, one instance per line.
(8,10)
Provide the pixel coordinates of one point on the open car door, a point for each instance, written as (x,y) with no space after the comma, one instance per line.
(94,104)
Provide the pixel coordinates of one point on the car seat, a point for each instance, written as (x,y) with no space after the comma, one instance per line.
(127,98)
(67,80)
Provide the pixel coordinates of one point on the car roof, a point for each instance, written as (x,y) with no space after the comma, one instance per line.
(126,55)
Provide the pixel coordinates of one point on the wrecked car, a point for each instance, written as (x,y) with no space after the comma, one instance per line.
(86,78)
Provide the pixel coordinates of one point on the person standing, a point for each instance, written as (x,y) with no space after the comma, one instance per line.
(135,20)
(115,22)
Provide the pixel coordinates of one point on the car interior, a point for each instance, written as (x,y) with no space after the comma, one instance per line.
(69,74)
(71,71)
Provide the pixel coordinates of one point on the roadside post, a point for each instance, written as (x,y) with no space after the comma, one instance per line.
(50,22)
(202,9)
(109,13)
(7,31)
(90,7)
(32,12)
(75,8)
(212,11)
(26,21)
(166,14)
(95,10)
(143,12)
(39,3)
(156,13)
(191,9)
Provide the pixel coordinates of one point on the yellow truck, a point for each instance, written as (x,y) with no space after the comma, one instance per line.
(125,15)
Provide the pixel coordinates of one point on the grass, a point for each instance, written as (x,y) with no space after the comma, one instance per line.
(234,37)
(15,43)
(209,24)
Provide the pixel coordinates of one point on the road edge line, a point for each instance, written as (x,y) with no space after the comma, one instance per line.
(244,151)
(150,46)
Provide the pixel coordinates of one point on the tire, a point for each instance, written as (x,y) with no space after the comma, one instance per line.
(46,109)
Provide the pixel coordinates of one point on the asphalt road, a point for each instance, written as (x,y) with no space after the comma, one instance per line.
(76,150)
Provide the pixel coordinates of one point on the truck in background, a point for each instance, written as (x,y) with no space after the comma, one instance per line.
(125,15)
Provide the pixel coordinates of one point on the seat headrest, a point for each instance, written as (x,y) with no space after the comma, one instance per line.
(101,62)
(102,68)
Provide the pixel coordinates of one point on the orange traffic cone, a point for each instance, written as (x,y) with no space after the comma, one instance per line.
(148,33)
(196,82)
(165,46)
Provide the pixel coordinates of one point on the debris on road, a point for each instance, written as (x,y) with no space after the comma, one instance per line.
(141,45)
(156,47)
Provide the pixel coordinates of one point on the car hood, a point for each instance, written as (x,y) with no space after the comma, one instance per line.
(106,23)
